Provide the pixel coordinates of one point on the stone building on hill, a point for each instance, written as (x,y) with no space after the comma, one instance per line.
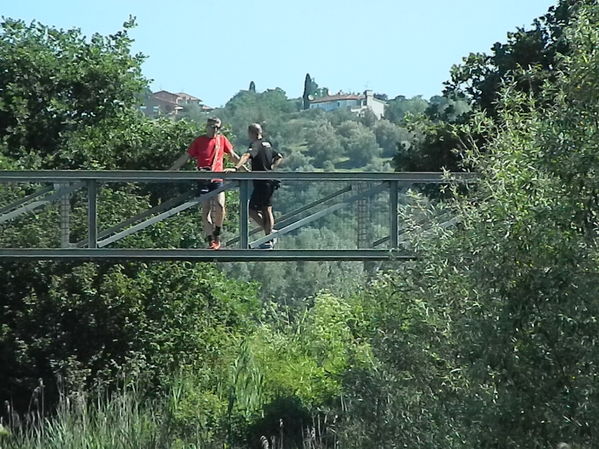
(354,102)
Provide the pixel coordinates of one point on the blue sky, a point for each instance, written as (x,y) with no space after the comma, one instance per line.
(212,49)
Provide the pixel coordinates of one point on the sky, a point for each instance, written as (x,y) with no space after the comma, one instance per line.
(213,49)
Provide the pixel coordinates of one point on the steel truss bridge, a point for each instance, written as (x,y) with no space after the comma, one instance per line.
(352,188)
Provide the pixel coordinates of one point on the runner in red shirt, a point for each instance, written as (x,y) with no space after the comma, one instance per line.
(208,151)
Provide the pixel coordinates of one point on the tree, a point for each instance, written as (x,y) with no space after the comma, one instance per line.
(308,90)
(368,118)
(89,322)
(432,146)
(434,141)
(447,109)
(495,325)
(311,90)
(252,87)
(400,106)
(544,200)
(266,108)
(69,102)
(389,136)
(55,82)
(528,56)
(323,144)
(359,143)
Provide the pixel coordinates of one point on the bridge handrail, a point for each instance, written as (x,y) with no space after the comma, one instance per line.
(8,176)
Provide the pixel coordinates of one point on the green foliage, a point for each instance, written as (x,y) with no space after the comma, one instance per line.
(311,90)
(517,303)
(248,107)
(529,56)
(324,143)
(308,90)
(541,199)
(398,108)
(128,141)
(54,82)
(88,322)
(314,139)
(488,340)
(412,397)
(120,421)
(434,146)
(389,136)
(291,282)
(126,418)
(305,357)
(433,140)
(359,143)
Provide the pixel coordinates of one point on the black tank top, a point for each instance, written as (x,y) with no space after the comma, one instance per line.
(263,157)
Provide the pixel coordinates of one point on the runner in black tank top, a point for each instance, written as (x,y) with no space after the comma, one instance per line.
(263,158)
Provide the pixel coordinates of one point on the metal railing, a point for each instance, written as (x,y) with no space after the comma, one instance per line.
(96,244)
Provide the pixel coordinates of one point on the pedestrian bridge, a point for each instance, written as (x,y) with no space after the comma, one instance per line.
(366,207)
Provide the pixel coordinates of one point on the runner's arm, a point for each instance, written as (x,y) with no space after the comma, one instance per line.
(277,160)
(180,162)
(241,161)
(234,156)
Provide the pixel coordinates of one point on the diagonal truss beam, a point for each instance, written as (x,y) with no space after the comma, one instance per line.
(12,206)
(317,215)
(163,216)
(147,213)
(28,208)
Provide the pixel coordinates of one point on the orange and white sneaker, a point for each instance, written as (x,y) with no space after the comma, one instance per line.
(215,244)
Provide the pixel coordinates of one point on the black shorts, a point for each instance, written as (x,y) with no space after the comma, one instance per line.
(262,194)
(206,186)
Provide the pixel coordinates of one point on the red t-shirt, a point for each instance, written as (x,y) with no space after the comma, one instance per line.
(203,151)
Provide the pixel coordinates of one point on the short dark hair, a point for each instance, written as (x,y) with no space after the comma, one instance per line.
(255,128)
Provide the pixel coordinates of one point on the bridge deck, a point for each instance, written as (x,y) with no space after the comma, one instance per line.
(201,255)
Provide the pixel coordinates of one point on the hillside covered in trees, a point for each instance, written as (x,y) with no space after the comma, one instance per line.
(315,139)
(488,340)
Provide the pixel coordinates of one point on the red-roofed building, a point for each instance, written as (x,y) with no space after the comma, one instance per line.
(354,102)
(164,102)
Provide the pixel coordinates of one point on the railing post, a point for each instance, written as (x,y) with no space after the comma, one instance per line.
(393,222)
(363,218)
(65,215)
(244,195)
(92,214)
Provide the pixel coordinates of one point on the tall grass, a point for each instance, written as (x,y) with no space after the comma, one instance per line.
(120,421)
(185,416)
(127,420)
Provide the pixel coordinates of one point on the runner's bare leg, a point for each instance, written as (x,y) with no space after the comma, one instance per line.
(269,220)
(218,210)
(257,217)
(207,218)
